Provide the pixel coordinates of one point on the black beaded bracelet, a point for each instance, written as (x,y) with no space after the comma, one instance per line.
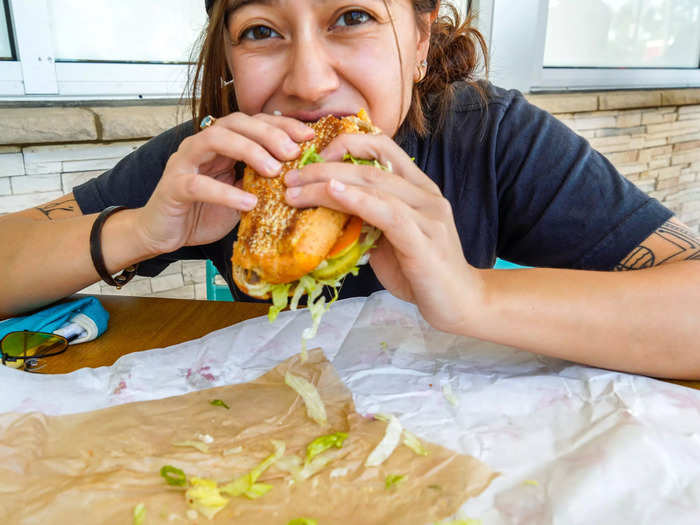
(96,251)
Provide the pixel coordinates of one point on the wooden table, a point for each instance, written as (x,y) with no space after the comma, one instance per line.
(142,323)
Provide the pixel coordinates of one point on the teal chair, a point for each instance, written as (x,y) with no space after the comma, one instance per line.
(506,265)
(217,289)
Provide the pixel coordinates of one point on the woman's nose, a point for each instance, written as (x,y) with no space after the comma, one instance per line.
(311,75)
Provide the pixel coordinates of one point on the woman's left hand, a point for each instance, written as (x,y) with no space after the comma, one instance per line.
(419,258)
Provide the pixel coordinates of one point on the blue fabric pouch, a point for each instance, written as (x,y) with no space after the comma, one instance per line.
(85,317)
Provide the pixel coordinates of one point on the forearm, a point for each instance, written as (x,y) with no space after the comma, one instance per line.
(644,321)
(42,261)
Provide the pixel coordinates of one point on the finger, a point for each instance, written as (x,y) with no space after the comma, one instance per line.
(297,130)
(384,264)
(193,187)
(383,210)
(382,148)
(263,131)
(218,140)
(358,175)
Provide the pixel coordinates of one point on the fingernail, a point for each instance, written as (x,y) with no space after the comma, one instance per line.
(292,177)
(273,166)
(337,186)
(249,201)
(291,148)
(293,192)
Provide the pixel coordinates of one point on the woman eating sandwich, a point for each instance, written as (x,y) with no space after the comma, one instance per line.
(459,172)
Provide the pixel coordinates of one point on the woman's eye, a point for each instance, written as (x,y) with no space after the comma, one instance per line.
(259,33)
(353,18)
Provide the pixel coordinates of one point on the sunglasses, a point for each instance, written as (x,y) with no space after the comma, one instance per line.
(24,349)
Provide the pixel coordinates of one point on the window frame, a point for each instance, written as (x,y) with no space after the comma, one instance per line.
(516,33)
(36,75)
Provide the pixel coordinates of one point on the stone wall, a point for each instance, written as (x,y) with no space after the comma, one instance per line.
(48,151)
(652,138)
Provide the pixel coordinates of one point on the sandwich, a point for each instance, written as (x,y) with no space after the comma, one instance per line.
(284,252)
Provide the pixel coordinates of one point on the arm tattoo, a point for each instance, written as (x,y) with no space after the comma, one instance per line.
(670,243)
(67,205)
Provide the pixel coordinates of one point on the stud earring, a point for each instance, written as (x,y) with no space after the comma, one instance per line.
(421,70)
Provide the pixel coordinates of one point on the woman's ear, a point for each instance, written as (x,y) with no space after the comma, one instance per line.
(424,38)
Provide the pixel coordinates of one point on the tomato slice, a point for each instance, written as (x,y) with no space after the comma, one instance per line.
(350,235)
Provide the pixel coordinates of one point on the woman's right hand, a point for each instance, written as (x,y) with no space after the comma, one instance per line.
(196,201)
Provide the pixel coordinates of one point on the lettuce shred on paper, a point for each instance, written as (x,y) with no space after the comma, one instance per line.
(387,445)
(315,408)
(139,514)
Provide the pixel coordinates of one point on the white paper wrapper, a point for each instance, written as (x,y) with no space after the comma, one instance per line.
(574,445)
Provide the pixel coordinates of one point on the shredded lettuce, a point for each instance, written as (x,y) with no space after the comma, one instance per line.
(409,438)
(412,442)
(323,443)
(291,464)
(257,490)
(302,521)
(449,394)
(310,156)
(392,480)
(139,514)
(173,476)
(339,472)
(230,451)
(219,403)
(260,289)
(315,408)
(387,445)
(202,447)
(280,298)
(318,463)
(303,471)
(532,482)
(204,496)
(246,485)
(365,162)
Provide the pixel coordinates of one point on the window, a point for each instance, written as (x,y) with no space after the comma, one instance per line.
(98,49)
(539,45)
(6,48)
(623,33)
(156,31)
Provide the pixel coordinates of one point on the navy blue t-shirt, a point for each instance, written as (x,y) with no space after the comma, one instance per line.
(523,187)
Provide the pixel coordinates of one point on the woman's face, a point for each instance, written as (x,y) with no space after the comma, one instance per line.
(309,58)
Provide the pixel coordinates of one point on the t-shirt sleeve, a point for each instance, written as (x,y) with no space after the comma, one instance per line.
(562,204)
(131,182)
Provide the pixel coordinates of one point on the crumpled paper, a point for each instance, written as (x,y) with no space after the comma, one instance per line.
(574,444)
(57,469)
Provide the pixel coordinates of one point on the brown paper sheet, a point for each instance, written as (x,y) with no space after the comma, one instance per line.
(96,467)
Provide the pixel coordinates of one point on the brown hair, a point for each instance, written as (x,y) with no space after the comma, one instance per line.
(453,55)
